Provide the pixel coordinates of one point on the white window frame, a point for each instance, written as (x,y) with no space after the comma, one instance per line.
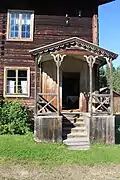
(5,81)
(8,38)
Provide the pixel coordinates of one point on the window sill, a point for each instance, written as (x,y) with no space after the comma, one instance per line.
(15,96)
(20,40)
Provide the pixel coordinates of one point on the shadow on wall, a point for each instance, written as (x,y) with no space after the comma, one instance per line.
(117,129)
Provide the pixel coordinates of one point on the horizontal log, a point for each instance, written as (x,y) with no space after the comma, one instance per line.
(47,94)
(101,95)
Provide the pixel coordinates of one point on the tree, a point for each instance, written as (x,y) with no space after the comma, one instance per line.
(116,79)
(107,74)
(102,77)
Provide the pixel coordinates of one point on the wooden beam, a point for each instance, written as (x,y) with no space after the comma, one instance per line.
(91,61)
(111,86)
(91,87)
(35,92)
(58,58)
(47,94)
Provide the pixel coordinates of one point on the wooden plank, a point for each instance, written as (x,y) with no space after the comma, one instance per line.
(111,87)
(91,87)
(102,129)
(48,129)
(101,95)
(36,69)
(48,94)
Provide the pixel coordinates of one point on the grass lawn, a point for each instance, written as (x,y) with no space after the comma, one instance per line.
(18,148)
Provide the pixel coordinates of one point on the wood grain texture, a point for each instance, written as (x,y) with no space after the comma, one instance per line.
(48,129)
(102,129)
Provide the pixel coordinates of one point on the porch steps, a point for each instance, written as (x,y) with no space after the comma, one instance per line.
(77,137)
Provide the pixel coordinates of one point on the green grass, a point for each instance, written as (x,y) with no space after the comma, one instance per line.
(23,148)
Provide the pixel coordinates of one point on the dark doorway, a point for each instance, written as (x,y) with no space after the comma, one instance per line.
(70,90)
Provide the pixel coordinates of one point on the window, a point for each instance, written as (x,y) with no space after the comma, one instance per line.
(16,82)
(20,25)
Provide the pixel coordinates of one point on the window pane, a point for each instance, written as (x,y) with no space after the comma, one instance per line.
(22,73)
(11,81)
(14,25)
(11,86)
(11,73)
(22,81)
(25,25)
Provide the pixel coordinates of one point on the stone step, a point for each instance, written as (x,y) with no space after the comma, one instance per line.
(80,119)
(77,135)
(79,123)
(71,143)
(78,129)
(74,129)
(76,140)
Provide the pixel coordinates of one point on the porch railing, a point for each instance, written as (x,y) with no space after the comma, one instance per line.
(101,103)
(44,105)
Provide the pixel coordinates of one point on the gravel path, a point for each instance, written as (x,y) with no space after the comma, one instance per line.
(73,172)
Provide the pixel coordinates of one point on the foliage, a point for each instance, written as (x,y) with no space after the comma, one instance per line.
(116,79)
(23,148)
(104,79)
(14,118)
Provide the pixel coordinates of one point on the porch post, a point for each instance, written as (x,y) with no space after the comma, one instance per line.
(91,60)
(109,62)
(35,91)
(111,86)
(58,60)
(37,61)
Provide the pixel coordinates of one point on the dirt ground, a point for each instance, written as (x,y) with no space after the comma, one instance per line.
(73,172)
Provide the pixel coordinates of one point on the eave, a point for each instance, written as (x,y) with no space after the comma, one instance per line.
(76,44)
(100,2)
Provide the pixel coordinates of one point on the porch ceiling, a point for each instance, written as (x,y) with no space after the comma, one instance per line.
(76,47)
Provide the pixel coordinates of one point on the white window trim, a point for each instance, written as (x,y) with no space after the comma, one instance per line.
(31,26)
(5,81)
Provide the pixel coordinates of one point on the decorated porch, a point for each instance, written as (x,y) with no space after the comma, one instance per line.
(68,88)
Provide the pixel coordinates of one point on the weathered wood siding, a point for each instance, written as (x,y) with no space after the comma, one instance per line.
(48,128)
(102,129)
(116,104)
(48,29)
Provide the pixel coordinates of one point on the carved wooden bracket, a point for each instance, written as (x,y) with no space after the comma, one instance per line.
(39,59)
(58,58)
(108,61)
(91,60)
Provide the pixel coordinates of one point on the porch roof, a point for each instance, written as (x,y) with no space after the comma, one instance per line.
(76,44)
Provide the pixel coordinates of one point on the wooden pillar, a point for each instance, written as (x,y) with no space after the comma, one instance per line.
(58,60)
(40,71)
(35,91)
(58,89)
(91,60)
(109,62)
(37,61)
(91,87)
(111,86)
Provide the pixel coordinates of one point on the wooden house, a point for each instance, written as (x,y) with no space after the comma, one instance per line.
(50,59)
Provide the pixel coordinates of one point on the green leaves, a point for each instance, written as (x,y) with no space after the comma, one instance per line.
(14,118)
(104,79)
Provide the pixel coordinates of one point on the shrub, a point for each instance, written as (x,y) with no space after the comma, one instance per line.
(14,118)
